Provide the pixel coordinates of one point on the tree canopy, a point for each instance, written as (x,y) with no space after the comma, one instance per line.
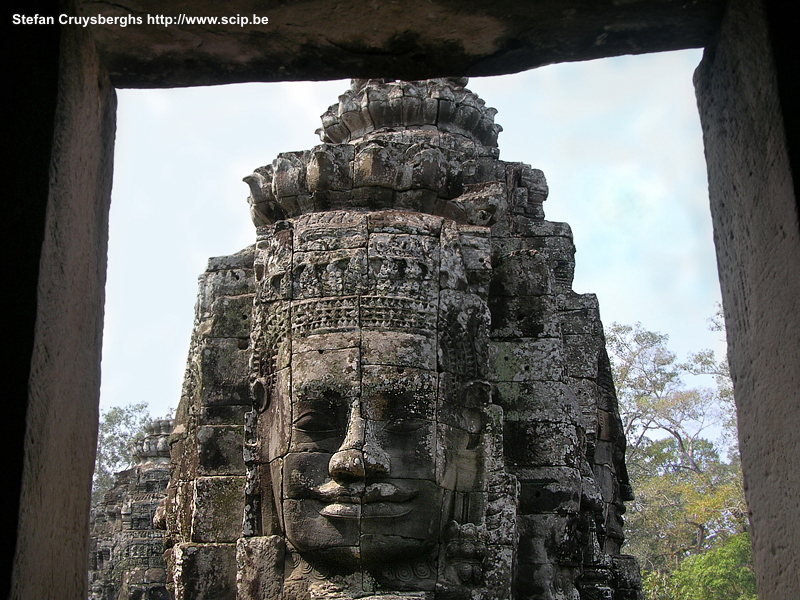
(688,522)
(121,427)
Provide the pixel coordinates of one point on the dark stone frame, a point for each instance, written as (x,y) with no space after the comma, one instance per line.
(63,120)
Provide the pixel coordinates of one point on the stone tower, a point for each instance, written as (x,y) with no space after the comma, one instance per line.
(396,392)
(126,557)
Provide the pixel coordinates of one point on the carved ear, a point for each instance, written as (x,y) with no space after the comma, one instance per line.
(261,395)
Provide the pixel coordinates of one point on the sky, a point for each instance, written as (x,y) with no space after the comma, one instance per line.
(619,141)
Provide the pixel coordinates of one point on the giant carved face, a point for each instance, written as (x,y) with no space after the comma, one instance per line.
(370,433)
(358,475)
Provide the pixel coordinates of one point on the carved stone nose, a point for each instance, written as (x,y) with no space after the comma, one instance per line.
(347,466)
(360,455)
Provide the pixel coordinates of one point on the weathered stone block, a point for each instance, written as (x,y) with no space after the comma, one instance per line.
(498,571)
(312,530)
(401,349)
(331,273)
(526,360)
(421,246)
(224,372)
(537,401)
(626,572)
(259,563)
(534,580)
(463,404)
(585,390)
(411,223)
(578,302)
(329,341)
(421,200)
(242,260)
(604,453)
(463,325)
(272,263)
(582,355)
(549,538)
(218,508)
(549,490)
(539,228)
(523,317)
(275,422)
(222,415)
(476,247)
(609,426)
(614,523)
(375,198)
(419,528)
(335,230)
(230,317)
(180,508)
(522,273)
(219,450)
(183,452)
(205,571)
(330,370)
(289,175)
(459,459)
(541,444)
(378,165)
(607,482)
(228,282)
(584,321)
(329,167)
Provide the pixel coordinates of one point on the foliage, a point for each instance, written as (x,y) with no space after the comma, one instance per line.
(689,500)
(682,509)
(721,573)
(120,428)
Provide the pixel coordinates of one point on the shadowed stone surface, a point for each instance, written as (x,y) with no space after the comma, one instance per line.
(318,39)
(429,410)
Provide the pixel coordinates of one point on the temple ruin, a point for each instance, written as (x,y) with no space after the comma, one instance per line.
(395,392)
(126,553)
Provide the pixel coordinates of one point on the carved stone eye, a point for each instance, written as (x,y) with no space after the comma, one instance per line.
(315,422)
(403,426)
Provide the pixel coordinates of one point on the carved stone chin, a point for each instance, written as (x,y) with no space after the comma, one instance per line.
(395,393)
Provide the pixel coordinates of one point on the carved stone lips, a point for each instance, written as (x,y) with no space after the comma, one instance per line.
(374,501)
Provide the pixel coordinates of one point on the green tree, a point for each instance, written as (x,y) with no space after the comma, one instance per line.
(119,430)
(722,573)
(689,500)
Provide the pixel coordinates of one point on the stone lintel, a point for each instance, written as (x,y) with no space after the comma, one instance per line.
(413,40)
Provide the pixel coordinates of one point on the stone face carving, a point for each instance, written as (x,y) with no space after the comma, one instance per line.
(373,401)
(395,392)
(126,558)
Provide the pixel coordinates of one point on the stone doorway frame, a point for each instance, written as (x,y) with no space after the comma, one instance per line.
(58,229)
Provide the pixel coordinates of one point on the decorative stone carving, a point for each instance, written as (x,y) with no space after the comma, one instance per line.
(423,405)
(126,558)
